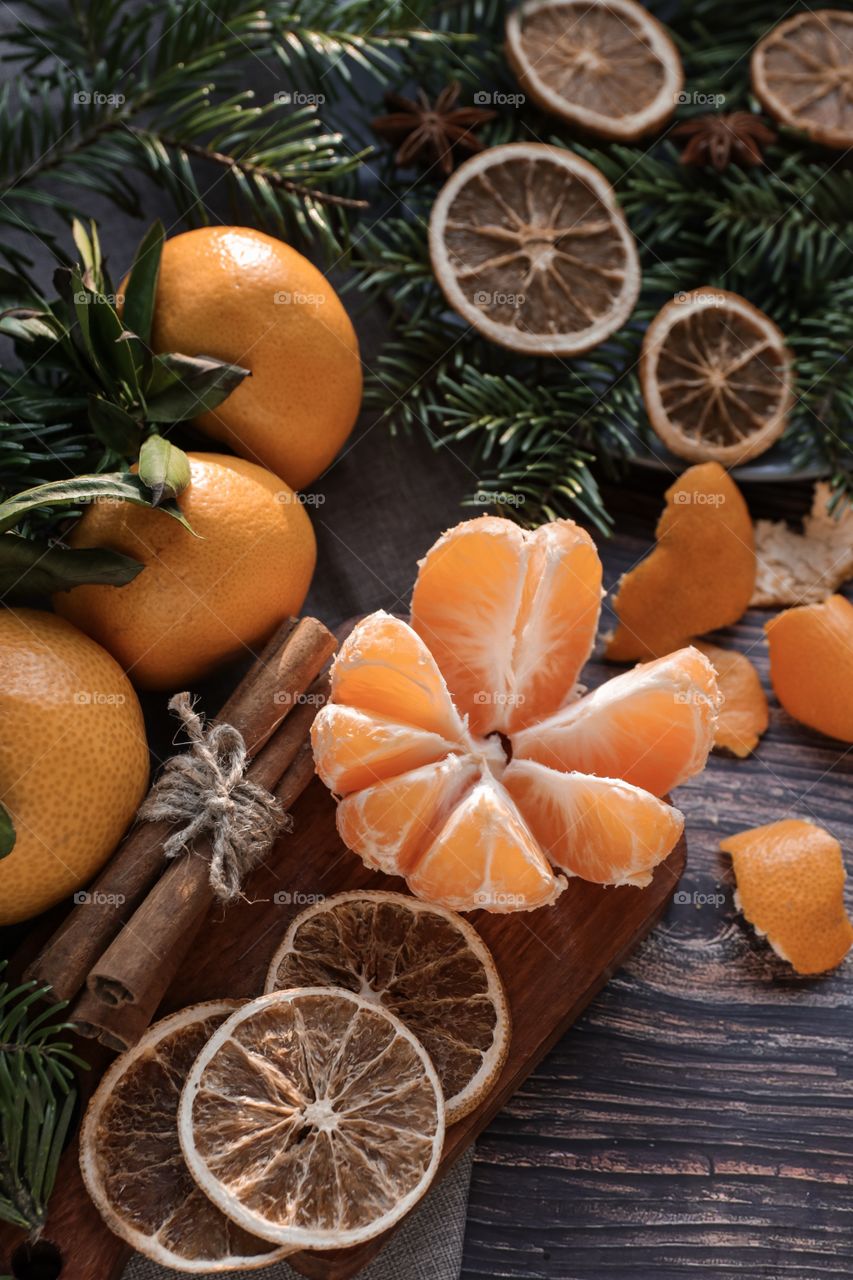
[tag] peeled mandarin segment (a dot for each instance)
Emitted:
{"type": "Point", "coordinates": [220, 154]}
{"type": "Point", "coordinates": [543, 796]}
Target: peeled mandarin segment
{"type": "Point", "coordinates": [390, 823]}
{"type": "Point", "coordinates": [698, 578]}
{"type": "Point", "coordinates": [811, 665]}
{"type": "Point", "coordinates": [790, 887]}
{"type": "Point", "coordinates": [385, 668]}
{"type": "Point", "coordinates": [743, 716]}
{"type": "Point", "coordinates": [509, 615]}
{"type": "Point", "coordinates": [653, 726]}
{"type": "Point", "coordinates": [601, 829]}
{"type": "Point", "coordinates": [485, 858]}
{"type": "Point", "coordinates": [464, 607]}
{"type": "Point", "coordinates": [557, 620]}
{"type": "Point", "coordinates": [353, 749]}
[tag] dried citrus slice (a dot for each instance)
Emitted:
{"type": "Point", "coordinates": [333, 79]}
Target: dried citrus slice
{"type": "Point", "coordinates": [802, 73]}
{"type": "Point", "coordinates": [426, 964]}
{"type": "Point", "coordinates": [716, 376]}
{"type": "Point", "coordinates": [811, 664]}
{"type": "Point", "coordinates": [313, 1118]}
{"type": "Point", "coordinates": [790, 887]}
{"type": "Point", "coordinates": [605, 65]}
{"type": "Point", "coordinates": [700, 575]}
{"type": "Point", "coordinates": [743, 715]}
{"type": "Point", "coordinates": [530, 247]}
{"type": "Point", "coordinates": [131, 1159]}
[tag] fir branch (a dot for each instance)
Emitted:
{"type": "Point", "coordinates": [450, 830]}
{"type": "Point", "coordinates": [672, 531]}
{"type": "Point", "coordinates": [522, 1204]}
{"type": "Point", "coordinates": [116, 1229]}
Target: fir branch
{"type": "Point", "coordinates": [37, 1098]}
{"type": "Point", "coordinates": [91, 129]}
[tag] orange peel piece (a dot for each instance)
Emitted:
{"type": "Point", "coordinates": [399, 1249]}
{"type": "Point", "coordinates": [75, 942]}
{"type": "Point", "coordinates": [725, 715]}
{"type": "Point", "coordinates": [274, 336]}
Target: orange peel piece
{"type": "Point", "coordinates": [811, 665]}
{"type": "Point", "coordinates": [700, 575]}
{"type": "Point", "coordinates": [790, 887]}
{"type": "Point", "coordinates": [743, 714]}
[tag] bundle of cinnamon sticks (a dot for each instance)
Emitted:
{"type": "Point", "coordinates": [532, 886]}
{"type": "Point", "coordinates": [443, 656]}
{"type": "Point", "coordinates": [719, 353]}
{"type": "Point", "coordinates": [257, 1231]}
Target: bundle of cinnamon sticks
{"type": "Point", "coordinates": [119, 950]}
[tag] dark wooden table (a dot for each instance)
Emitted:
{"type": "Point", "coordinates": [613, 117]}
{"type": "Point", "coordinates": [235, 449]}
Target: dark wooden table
{"type": "Point", "coordinates": [698, 1121]}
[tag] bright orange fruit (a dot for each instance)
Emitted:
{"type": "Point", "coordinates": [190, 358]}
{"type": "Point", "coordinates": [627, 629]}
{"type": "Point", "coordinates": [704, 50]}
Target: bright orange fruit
{"type": "Point", "coordinates": [240, 295]}
{"type": "Point", "coordinates": [790, 887]}
{"type": "Point", "coordinates": [465, 757]}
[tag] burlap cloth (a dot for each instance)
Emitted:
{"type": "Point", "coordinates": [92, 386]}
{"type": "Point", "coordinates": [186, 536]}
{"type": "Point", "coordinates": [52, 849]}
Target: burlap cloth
{"type": "Point", "coordinates": [427, 1246]}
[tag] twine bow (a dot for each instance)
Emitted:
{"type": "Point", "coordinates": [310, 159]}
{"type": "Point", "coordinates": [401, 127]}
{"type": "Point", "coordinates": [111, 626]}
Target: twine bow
{"type": "Point", "coordinates": [206, 789]}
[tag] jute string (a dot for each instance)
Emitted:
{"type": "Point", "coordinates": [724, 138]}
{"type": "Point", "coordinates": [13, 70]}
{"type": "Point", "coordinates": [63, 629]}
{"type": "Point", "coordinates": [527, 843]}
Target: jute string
{"type": "Point", "coordinates": [206, 789]}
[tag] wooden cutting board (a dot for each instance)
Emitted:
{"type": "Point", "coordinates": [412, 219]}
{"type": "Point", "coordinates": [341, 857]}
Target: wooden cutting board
{"type": "Point", "coordinates": [552, 962]}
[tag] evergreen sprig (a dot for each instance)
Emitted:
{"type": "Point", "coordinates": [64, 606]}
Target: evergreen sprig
{"type": "Point", "coordinates": [37, 1098]}
{"type": "Point", "coordinates": [778, 234]}
{"type": "Point", "coordinates": [90, 113]}
{"type": "Point", "coordinates": [94, 382]}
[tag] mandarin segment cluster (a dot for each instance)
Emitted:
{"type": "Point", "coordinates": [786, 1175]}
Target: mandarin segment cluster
{"type": "Point", "coordinates": [462, 753]}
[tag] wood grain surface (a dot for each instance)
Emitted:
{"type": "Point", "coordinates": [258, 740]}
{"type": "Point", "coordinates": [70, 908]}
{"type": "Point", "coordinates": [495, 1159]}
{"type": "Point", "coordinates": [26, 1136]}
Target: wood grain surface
{"type": "Point", "coordinates": [697, 1122]}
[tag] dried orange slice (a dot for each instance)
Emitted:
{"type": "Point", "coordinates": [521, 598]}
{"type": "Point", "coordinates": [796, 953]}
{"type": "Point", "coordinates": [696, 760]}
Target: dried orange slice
{"type": "Point", "coordinates": [131, 1159]}
{"type": "Point", "coordinates": [427, 965]}
{"type": "Point", "coordinates": [532, 780]}
{"type": "Point", "coordinates": [313, 1117]}
{"type": "Point", "coordinates": [530, 247]}
{"type": "Point", "coordinates": [802, 72]}
{"type": "Point", "coordinates": [717, 377]}
{"type": "Point", "coordinates": [607, 66]}
{"type": "Point", "coordinates": [811, 665]}
{"type": "Point", "coordinates": [700, 575]}
{"type": "Point", "coordinates": [743, 715]}
{"type": "Point", "coordinates": [790, 887]}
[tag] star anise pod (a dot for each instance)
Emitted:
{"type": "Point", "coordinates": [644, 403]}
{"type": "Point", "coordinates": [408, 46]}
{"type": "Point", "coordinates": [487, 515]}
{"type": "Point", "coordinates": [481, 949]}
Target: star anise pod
{"type": "Point", "coordinates": [428, 133]}
{"type": "Point", "coordinates": [719, 139]}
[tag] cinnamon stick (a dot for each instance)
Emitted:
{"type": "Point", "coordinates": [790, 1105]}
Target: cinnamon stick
{"type": "Point", "coordinates": [257, 706]}
{"type": "Point", "coordinates": [137, 969]}
{"type": "Point", "coordinates": [117, 1029]}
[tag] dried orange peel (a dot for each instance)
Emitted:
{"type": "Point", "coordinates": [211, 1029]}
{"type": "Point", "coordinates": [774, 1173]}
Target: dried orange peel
{"type": "Point", "coordinates": [465, 758]}
{"type": "Point", "coordinates": [743, 715]}
{"type": "Point", "coordinates": [790, 887]}
{"type": "Point", "coordinates": [700, 575]}
{"type": "Point", "coordinates": [811, 665]}
{"type": "Point", "coordinates": [804, 568]}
